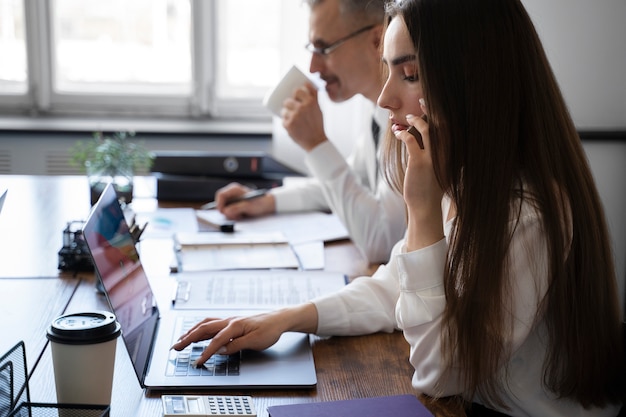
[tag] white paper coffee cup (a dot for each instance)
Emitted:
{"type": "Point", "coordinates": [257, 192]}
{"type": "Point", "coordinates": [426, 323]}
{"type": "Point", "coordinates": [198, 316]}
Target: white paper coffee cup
{"type": "Point", "coordinates": [292, 80]}
{"type": "Point", "coordinates": [83, 355]}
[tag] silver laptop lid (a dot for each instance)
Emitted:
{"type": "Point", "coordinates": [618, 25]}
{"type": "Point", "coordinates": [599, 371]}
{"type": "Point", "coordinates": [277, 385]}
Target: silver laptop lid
{"type": "Point", "coordinates": [126, 285]}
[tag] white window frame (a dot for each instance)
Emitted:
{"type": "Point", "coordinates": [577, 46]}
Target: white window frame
{"type": "Point", "coordinates": [202, 104]}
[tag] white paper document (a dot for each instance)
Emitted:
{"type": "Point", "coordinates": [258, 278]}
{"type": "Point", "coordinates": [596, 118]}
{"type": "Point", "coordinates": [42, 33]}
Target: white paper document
{"type": "Point", "coordinates": [240, 250]}
{"type": "Point", "coordinates": [257, 256]}
{"type": "Point", "coordinates": [297, 227]}
{"type": "Point", "coordinates": [185, 239]}
{"type": "Point", "coordinates": [297, 239]}
{"type": "Point", "coordinates": [250, 290]}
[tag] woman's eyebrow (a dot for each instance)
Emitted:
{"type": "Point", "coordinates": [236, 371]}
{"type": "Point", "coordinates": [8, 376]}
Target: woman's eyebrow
{"type": "Point", "coordinates": [401, 59]}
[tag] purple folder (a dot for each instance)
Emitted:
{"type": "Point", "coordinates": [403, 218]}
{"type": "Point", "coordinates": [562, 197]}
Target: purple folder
{"type": "Point", "coordinates": [396, 406]}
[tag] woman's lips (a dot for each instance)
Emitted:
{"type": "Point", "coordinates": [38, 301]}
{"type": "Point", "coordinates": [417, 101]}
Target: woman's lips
{"type": "Point", "coordinates": [396, 127]}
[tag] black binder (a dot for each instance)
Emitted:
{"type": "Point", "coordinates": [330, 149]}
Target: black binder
{"type": "Point", "coordinates": [202, 188]}
{"type": "Point", "coordinates": [196, 176]}
{"type": "Point", "coordinates": [220, 164]}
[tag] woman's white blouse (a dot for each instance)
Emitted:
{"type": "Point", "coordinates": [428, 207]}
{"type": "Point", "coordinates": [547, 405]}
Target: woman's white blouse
{"type": "Point", "coordinates": [407, 294]}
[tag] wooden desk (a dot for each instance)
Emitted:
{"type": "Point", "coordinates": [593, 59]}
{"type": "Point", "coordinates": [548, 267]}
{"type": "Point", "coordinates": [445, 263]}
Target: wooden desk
{"type": "Point", "coordinates": [33, 292]}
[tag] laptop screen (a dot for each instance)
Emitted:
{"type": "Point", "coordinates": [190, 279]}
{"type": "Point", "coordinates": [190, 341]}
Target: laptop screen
{"type": "Point", "coordinates": [2, 197]}
{"type": "Point", "coordinates": [117, 264]}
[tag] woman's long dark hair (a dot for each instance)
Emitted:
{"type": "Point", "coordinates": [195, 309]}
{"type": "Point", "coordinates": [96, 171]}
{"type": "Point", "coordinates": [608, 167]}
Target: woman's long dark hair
{"type": "Point", "coordinates": [498, 120]}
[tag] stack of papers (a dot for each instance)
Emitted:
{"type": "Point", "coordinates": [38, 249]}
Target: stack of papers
{"type": "Point", "coordinates": [242, 250]}
{"type": "Point", "coordinates": [297, 227]}
{"type": "Point", "coordinates": [291, 240]}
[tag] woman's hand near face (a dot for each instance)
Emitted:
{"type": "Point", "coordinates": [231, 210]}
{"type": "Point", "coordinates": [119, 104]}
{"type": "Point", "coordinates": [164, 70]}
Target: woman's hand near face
{"type": "Point", "coordinates": [256, 332]}
{"type": "Point", "coordinates": [422, 192]}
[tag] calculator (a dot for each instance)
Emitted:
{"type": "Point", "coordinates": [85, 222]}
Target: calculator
{"type": "Point", "coordinates": [208, 405]}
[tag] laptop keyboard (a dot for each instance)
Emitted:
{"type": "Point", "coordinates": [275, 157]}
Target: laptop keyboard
{"type": "Point", "coordinates": [217, 365]}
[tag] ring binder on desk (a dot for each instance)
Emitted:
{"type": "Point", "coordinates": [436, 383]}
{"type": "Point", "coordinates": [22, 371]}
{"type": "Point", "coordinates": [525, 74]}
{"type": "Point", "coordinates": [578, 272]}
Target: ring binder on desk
{"type": "Point", "coordinates": [15, 396]}
{"type": "Point", "coordinates": [196, 176]}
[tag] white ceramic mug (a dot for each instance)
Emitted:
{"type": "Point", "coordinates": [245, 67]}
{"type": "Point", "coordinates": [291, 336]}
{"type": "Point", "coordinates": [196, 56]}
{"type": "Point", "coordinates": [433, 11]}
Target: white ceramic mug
{"type": "Point", "coordinates": [293, 79]}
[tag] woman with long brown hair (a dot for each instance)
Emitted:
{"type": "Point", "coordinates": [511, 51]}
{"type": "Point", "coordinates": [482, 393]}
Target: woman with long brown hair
{"type": "Point", "coordinates": [504, 285]}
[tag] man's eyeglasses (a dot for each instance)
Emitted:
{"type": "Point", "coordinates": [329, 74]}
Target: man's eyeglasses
{"type": "Point", "coordinates": [323, 51]}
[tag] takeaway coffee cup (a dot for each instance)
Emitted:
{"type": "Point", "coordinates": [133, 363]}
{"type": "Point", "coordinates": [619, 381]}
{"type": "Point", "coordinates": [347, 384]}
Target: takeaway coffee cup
{"type": "Point", "coordinates": [83, 355]}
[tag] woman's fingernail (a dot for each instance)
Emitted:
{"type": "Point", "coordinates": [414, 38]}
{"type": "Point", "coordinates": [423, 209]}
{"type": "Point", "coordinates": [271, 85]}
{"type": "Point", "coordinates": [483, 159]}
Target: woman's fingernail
{"type": "Point", "coordinates": [409, 117]}
{"type": "Point", "coordinates": [422, 102]}
{"type": "Point", "coordinates": [221, 350]}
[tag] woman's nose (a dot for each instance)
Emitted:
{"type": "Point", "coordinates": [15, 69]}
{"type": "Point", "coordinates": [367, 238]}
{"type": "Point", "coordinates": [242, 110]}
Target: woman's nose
{"type": "Point", "coordinates": [386, 99]}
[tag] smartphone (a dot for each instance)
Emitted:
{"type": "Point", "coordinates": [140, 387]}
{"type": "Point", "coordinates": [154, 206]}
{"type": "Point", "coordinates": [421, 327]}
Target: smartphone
{"type": "Point", "coordinates": [418, 136]}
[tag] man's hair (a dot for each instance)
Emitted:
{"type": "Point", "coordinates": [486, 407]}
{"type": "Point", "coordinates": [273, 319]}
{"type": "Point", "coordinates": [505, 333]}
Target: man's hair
{"type": "Point", "coordinates": [369, 11]}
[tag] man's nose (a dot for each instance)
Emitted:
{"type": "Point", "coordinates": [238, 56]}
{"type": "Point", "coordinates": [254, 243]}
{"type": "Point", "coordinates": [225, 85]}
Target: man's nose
{"type": "Point", "coordinates": [318, 63]}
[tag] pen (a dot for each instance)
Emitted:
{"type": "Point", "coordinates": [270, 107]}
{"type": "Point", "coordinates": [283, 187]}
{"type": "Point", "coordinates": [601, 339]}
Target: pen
{"type": "Point", "coordinates": [247, 196]}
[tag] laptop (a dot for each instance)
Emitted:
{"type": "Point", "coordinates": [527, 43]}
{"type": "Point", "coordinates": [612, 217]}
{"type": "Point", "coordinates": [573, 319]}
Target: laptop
{"type": "Point", "coordinates": [2, 198]}
{"type": "Point", "coordinates": [148, 333]}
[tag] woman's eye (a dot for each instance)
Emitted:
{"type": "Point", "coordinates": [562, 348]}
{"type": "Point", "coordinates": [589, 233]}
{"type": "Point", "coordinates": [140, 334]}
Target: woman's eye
{"type": "Point", "coordinates": [411, 77]}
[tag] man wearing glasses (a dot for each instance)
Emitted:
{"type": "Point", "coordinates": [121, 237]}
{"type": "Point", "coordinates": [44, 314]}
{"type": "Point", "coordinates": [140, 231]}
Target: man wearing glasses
{"type": "Point", "coordinates": [345, 36]}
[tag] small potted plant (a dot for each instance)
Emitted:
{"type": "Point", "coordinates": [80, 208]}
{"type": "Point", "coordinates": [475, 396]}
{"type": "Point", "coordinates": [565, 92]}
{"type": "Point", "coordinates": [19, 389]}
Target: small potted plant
{"type": "Point", "coordinates": [111, 159]}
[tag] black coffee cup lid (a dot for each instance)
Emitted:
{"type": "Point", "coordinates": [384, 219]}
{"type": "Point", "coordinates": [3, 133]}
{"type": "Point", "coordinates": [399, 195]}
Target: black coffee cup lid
{"type": "Point", "coordinates": [84, 328]}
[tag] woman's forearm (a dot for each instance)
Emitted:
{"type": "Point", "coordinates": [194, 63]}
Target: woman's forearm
{"type": "Point", "coordinates": [301, 318]}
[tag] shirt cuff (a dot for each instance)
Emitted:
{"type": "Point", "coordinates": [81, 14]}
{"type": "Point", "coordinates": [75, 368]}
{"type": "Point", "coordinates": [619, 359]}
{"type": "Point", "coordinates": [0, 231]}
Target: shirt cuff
{"type": "Point", "coordinates": [287, 199]}
{"type": "Point", "coordinates": [331, 315]}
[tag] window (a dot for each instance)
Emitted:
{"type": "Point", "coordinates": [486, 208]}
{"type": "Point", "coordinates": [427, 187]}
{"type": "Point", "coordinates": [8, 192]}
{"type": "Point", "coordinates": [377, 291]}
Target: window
{"type": "Point", "coordinates": [13, 72]}
{"type": "Point", "coordinates": [155, 58]}
{"type": "Point", "coordinates": [115, 46]}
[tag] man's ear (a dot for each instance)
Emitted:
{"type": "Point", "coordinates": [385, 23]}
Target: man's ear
{"type": "Point", "coordinates": [377, 36]}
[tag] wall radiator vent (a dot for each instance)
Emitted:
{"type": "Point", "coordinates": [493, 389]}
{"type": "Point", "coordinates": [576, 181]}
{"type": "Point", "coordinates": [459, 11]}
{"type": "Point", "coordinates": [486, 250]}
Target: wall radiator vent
{"type": "Point", "coordinates": [58, 163]}
{"type": "Point", "coordinates": [5, 162]}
